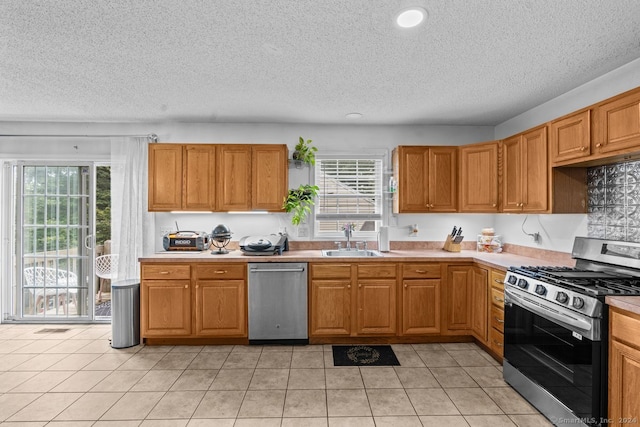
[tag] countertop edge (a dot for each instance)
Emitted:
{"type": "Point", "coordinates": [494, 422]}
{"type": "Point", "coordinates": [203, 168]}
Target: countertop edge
{"type": "Point", "coordinates": [630, 304]}
{"type": "Point", "coordinates": [499, 261]}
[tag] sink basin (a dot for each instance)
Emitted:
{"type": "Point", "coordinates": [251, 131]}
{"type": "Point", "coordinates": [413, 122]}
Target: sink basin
{"type": "Point", "coordinates": [351, 253]}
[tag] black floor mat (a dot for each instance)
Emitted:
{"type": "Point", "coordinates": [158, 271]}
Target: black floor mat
{"type": "Point", "coordinates": [364, 355]}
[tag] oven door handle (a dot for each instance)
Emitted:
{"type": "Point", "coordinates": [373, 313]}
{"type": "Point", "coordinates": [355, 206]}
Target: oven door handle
{"type": "Point", "coordinates": [543, 311]}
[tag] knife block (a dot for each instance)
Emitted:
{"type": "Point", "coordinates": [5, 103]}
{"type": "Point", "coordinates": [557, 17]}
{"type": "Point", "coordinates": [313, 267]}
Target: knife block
{"type": "Point", "coordinates": [449, 246]}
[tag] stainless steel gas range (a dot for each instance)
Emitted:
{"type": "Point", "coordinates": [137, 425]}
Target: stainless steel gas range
{"type": "Point", "coordinates": [556, 329]}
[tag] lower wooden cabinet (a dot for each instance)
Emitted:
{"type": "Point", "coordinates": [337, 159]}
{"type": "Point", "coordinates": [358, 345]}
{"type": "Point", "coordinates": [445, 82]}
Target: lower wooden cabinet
{"type": "Point", "coordinates": [457, 299]}
{"type": "Point", "coordinates": [193, 300]}
{"type": "Point", "coordinates": [220, 308]}
{"type": "Point", "coordinates": [353, 300]}
{"type": "Point", "coordinates": [165, 300]}
{"type": "Point", "coordinates": [496, 311]}
{"type": "Point", "coordinates": [420, 306]}
{"type": "Point", "coordinates": [377, 307]}
{"type": "Point", "coordinates": [330, 307]}
{"type": "Point", "coordinates": [479, 294]}
{"type": "Point", "coordinates": [624, 368]}
{"type": "Point", "coordinates": [421, 298]}
{"type": "Point", "coordinates": [165, 308]}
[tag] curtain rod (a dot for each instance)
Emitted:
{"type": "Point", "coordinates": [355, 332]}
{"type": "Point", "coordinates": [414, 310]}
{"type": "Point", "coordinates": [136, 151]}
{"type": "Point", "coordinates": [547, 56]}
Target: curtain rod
{"type": "Point", "coordinates": [152, 136]}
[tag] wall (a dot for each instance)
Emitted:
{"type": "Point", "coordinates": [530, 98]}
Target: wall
{"type": "Point", "coordinates": [328, 139]}
{"type": "Point", "coordinates": [558, 231]}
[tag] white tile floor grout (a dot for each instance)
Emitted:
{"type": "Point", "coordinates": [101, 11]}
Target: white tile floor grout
{"type": "Point", "coordinates": [76, 379]}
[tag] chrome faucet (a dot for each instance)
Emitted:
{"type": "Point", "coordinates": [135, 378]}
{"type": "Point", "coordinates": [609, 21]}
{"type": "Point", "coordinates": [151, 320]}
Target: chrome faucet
{"type": "Point", "coordinates": [348, 228]}
{"type": "Point", "coordinates": [347, 234]}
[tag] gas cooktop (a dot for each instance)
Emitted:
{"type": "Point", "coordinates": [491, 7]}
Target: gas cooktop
{"type": "Point", "coordinates": [584, 281]}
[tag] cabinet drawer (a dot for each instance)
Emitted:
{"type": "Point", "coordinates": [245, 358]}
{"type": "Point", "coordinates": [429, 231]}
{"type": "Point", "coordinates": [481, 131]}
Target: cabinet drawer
{"type": "Point", "coordinates": [420, 271]}
{"type": "Point", "coordinates": [497, 279]}
{"type": "Point", "coordinates": [625, 327]}
{"type": "Point", "coordinates": [497, 318]}
{"type": "Point", "coordinates": [331, 271]}
{"type": "Point", "coordinates": [497, 298]}
{"type": "Point", "coordinates": [496, 341]}
{"type": "Point", "coordinates": [166, 271]}
{"type": "Point", "coordinates": [221, 271]}
{"type": "Point", "coordinates": [376, 271]}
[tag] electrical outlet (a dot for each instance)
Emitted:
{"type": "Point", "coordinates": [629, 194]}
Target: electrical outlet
{"type": "Point", "coordinates": [303, 232]}
{"type": "Point", "coordinates": [413, 230]}
{"type": "Point", "coordinates": [165, 230]}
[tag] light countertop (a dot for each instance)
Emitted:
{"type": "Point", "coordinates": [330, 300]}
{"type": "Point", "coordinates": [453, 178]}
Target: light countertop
{"type": "Point", "coordinates": [500, 260]}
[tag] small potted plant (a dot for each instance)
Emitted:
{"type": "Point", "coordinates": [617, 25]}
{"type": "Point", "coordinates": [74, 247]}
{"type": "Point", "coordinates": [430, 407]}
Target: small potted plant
{"type": "Point", "coordinates": [299, 201]}
{"type": "Point", "coordinates": [304, 152]}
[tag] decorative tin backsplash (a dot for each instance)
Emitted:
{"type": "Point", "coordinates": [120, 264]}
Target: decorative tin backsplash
{"type": "Point", "coordinates": [614, 201]}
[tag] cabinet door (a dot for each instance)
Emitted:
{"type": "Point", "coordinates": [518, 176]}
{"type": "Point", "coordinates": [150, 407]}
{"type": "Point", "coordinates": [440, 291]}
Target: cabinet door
{"type": "Point", "coordinates": [413, 179]}
{"type": "Point", "coordinates": [534, 174]}
{"type": "Point", "coordinates": [570, 137]}
{"type": "Point", "coordinates": [330, 307]}
{"type": "Point", "coordinates": [420, 307]}
{"type": "Point", "coordinates": [165, 177]}
{"type": "Point", "coordinates": [269, 176]}
{"type": "Point", "coordinates": [479, 178]}
{"type": "Point", "coordinates": [377, 311]}
{"type": "Point", "coordinates": [618, 124]}
{"type": "Point", "coordinates": [234, 177]}
{"type": "Point", "coordinates": [511, 171]}
{"type": "Point", "coordinates": [199, 177]}
{"type": "Point", "coordinates": [221, 308]}
{"type": "Point", "coordinates": [457, 298]}
{"type": "Point", "coordinates": [165, 308]}
{"type": "Point", "coordinates": [443, 179]}
{"type": "Point", "coordinates": [624, 383]}
{"type": "Point", "coordinates": [478, 303]}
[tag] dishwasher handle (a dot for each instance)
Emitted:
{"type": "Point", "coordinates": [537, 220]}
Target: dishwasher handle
{"type": "Point", "coordinates": [276, 270]}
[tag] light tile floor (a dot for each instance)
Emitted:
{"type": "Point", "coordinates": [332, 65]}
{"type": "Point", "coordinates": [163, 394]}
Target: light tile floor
{"type": "Point", "coordinates": [75, 378]}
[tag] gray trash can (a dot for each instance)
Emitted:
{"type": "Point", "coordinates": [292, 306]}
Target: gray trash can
{"type": "Point", "coordinates": [125, 313]}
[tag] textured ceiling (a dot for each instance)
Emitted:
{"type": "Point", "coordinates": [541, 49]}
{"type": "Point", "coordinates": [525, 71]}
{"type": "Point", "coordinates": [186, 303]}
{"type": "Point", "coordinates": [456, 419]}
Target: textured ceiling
{"type": "Point", "coordinates": [303, 61]}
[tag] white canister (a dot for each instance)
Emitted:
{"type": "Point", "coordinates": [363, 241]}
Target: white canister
{"type": "Point", "coordinates": [384, 239]}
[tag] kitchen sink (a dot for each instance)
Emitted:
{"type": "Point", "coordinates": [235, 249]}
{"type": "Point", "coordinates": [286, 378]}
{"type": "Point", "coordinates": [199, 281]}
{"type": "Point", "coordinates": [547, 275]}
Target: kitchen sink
{"type": "Point", "coordinates": [349, 253]}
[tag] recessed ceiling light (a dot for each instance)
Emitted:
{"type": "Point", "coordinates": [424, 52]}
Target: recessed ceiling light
{"type": "Point", "coordinates": [353, 116]}
{"type": "Point", "coordinates": [412, 17]}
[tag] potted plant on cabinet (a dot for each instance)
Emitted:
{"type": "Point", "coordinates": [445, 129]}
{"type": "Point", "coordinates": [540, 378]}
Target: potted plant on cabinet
{"type": "Point", "coordinates": [299, 201]}
{"type": "Point", "coordinates": [304, 152]}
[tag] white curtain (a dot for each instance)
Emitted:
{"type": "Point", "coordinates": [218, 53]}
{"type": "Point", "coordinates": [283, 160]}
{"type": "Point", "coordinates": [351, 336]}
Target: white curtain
{"type": "Point", "coordinates": [131, 224]}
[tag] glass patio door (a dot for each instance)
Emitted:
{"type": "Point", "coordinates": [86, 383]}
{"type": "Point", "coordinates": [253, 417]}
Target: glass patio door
{"type": "Point", "coordinates": [55, 219]}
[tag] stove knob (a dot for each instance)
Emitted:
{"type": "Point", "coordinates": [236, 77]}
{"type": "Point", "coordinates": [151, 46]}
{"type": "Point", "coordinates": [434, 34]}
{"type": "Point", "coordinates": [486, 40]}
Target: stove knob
{"type": "Point", "coordinates": [512, 280]}
{"type": "Point", "coordinates": [562, 297]}
{"type": "Point", "coordinates": [540, 290]}
{"type": "Point", "coordinates": [578, 302]}
{"type": "Point", "coordinates": [523, 283]}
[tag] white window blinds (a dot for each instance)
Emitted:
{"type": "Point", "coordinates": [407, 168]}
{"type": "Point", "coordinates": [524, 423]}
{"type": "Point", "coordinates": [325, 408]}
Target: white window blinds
{"type": "Point", "coordinates": [350, 190]}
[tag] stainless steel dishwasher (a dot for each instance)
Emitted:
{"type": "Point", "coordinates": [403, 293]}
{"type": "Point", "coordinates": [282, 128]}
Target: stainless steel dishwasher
{"type": "Point", "coordinates": [278, 303]}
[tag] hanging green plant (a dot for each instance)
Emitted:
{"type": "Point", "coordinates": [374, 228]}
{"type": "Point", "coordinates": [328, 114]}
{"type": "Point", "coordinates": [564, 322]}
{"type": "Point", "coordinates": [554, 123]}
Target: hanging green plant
{"type": "Point", "coordinates": [299, 201]}
{"type": "Point", "coordinates": [305, 152]}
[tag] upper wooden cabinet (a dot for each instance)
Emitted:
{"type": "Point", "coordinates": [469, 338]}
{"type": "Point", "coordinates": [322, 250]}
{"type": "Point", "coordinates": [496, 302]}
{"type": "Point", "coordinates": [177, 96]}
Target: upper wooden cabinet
{"type": "Point", "coordinates": [570, 137]}
{"type": "Point", "coordinates": [165, 177]}
{"type": "Point", "coordinates": [199, 184]}
{"type": "Point", "coordinates": [234, 177]}
{"type": "Point", "coordinates": [221, 177]}
{"type": "Point", "coordinates": [525, 172]}
{"type": "Point", "coordinates": [479, 177]}
{"type": "Point", "coordinates": [617, 124]}
{"type": "Point", "coordinates": [427, 179]}
{"type": "Point", "coordinates": [269, 171]}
